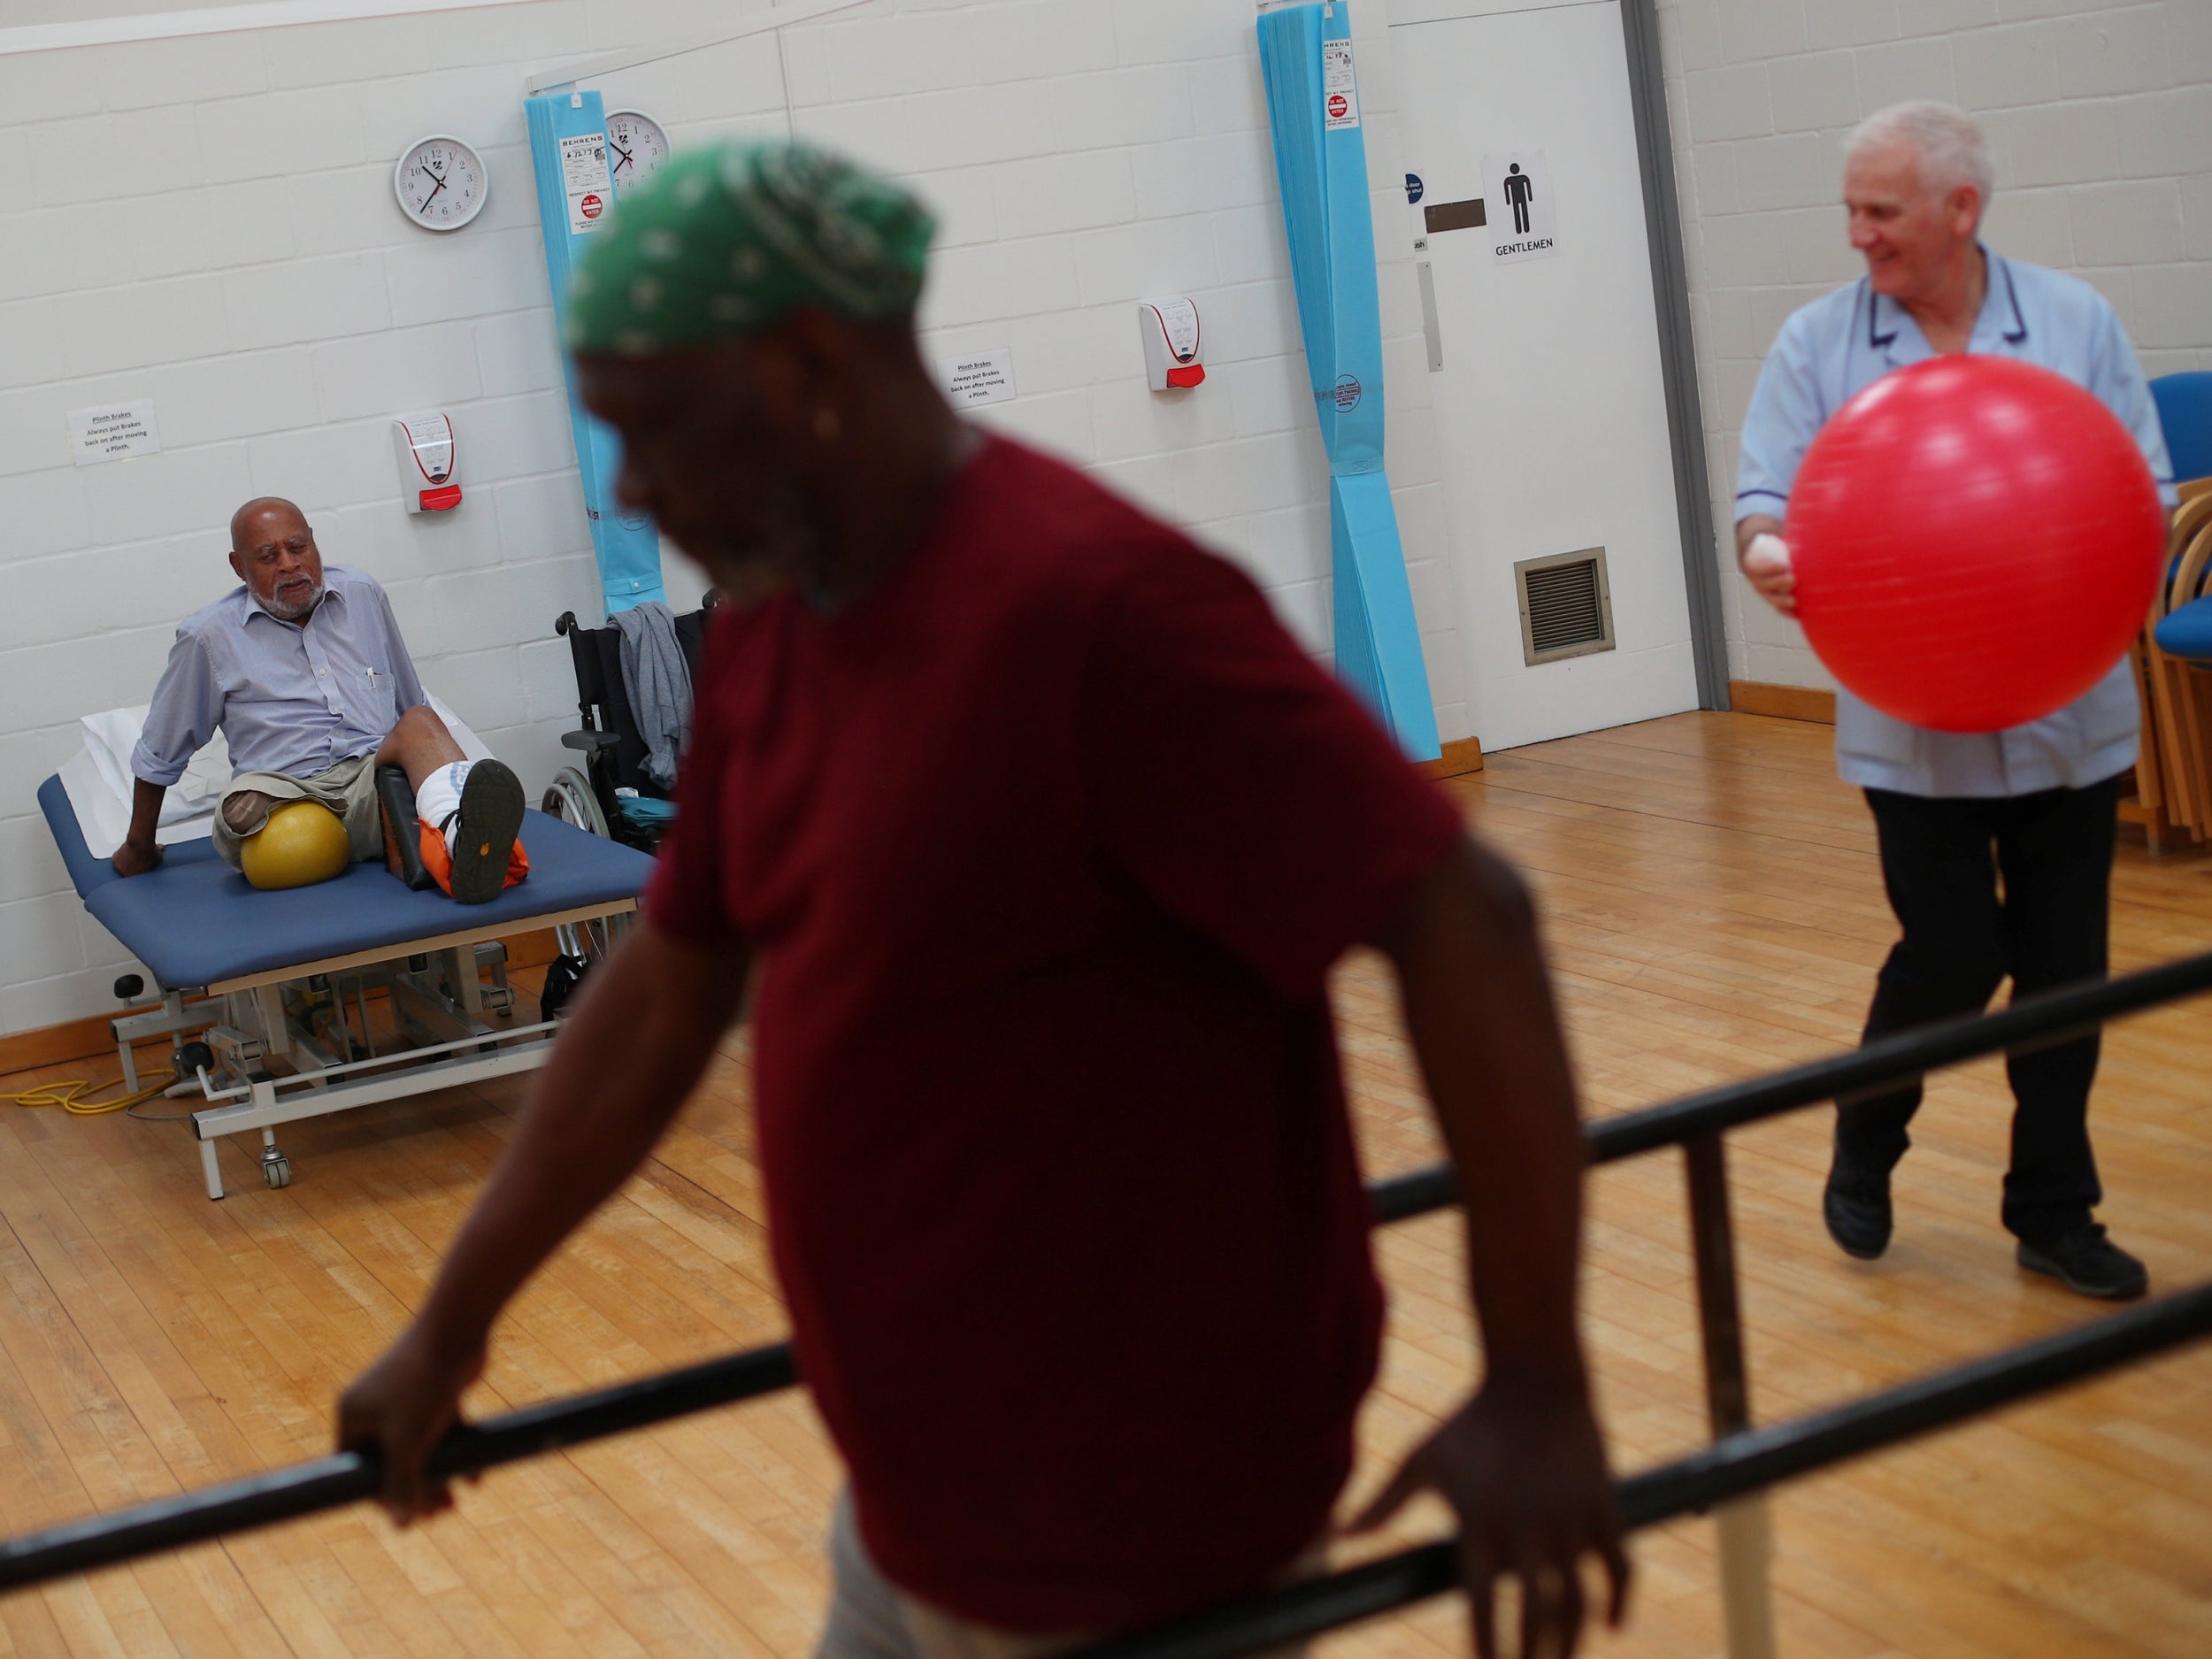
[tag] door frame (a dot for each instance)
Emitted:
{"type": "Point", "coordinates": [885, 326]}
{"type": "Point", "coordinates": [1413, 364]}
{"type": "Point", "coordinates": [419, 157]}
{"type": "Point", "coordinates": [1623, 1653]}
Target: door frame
{"type": "Point", "coordinates": [1678, 352]}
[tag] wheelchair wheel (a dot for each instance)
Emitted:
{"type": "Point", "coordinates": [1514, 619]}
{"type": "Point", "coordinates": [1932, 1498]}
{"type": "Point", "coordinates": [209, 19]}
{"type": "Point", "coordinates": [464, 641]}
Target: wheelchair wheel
{"type": "Point", "coordinates": [571, 801]}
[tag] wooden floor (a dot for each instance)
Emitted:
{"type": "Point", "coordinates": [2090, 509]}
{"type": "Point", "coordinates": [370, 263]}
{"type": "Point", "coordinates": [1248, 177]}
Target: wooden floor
{"type": "Point", "coordinates": [1713, 911]}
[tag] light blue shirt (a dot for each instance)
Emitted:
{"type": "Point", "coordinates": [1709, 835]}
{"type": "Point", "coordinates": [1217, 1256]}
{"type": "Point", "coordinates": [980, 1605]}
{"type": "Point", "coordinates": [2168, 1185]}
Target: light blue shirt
{"type": "Point", "coordinates": [291, 698]}
{"type": "Point", "coordinates": [1829, 351]}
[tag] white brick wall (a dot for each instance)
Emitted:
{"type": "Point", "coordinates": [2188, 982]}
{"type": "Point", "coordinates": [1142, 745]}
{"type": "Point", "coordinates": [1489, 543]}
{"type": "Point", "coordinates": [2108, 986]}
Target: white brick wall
{"type": "Point", "coordinates": [209, 223]}
{"type": "Point", "coordinates": [2100, 114]}
{"type": "Point", "coordinates": [1089, 155]}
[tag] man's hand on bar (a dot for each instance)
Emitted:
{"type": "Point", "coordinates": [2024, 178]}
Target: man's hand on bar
{"type": "Point", "coordinates": [1523, 1462]}
{"type": "Point", "coordinates": [1524, 1466]}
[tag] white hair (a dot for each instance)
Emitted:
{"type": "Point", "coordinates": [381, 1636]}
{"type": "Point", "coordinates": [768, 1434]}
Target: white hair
{"type": "Point", "coordinates": [1952, 148]}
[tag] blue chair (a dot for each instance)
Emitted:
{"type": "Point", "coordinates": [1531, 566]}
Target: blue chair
{"type": "Point", "coordinates": [2185, 409]}
{"type": "Point", "coordinates": [2178, 719]}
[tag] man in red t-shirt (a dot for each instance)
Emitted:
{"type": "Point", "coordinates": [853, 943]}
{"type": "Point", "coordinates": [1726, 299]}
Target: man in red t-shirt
{"type": "Point", "coordinates": [1036, 837]}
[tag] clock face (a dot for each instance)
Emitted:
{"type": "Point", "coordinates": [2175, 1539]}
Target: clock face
{"type": "Point", "coordinates": [638, 144]}
{"type": "Point", "coordinates": [440, 183]}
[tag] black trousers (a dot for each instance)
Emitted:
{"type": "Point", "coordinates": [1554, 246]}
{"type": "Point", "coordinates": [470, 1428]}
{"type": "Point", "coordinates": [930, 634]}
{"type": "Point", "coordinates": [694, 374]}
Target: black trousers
{"type": "Point", "coordinates": [1942, 861]}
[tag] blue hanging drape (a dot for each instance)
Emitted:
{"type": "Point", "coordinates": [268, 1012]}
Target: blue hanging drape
{"type": "Point", "coordinates": [626, 544]}
{"type": "Point", "coordinates": [1321, 161]}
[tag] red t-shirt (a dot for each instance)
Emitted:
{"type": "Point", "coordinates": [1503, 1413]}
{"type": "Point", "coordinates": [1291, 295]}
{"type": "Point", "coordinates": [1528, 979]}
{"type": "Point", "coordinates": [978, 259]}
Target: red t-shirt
{"type": "Point", "coordinates": [1046, 847]}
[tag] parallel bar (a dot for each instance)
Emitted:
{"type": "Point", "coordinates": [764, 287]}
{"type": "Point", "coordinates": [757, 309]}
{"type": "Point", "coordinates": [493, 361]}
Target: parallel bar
{"type": "Point", "coordinates": [2032, 1022]}
{"type": "Point", "coordinates": [1719, 1314]}
{"type": "Point", "coordinates": [326, 1483]}
{"type": "Point", "coordinates": [1746, 1599]}
{"type": "Point", "coordinates": [1732, 1468]}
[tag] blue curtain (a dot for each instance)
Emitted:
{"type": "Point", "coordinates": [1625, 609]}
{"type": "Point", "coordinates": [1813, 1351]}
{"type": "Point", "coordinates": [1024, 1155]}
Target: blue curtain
{"type": "Point", "coordinates": [1321, 161]}
{"type": "Point", "coordinates": [626, 543]}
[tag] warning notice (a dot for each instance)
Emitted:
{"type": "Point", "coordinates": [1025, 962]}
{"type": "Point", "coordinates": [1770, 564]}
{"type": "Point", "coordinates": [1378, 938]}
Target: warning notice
{"type": "Point", "coordinates": [114, 432]}
{"type": "Point", "coordinates": [981, 377]}
{"type": "Point", "coordinates": [585, 180]}
{"type": "Point", "coordinates": [1340, 88]}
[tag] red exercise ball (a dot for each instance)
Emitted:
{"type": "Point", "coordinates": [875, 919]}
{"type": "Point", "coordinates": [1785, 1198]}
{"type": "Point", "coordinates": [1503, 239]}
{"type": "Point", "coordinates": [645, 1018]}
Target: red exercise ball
{"type": "Point", "coordinates": [1976, 541]}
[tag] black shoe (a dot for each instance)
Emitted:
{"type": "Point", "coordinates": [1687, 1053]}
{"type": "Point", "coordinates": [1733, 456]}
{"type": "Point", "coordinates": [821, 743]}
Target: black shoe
{"type": "Point", "coordinates": [1855, 1206]}
{"type": "Point", "coordinates": [2089, 1264]}
{"type": "Point", "coordinates": [483, 837]}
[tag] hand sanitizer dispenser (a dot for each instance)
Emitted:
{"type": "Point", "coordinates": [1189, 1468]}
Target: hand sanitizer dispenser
{"type": "Point", "coordinates": [1173, 360]}
{"type": "Point", "coordinates": [429, 463]}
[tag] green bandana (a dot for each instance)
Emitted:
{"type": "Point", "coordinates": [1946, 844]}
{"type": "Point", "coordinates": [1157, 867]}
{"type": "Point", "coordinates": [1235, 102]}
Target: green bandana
{"type": "Point", "coordinates": [723, 241]}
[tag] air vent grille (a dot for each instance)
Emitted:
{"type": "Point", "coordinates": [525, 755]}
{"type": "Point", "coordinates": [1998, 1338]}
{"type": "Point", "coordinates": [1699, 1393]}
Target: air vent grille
{"type": "Point", "coordinates": [1566, 609]}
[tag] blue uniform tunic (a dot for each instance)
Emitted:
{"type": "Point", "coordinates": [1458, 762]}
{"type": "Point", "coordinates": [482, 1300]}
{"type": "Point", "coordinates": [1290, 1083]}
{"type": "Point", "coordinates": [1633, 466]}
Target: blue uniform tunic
{"type": "Point", "coordinates": [1829, 351]}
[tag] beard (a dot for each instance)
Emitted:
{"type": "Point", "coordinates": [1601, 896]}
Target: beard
{"type": "Point", "coordinates": [294, 610]}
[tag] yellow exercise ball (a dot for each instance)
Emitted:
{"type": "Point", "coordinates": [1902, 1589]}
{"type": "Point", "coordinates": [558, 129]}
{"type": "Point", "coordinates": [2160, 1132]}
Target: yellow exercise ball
{"type": "Point", "coordinates": [302, 843]}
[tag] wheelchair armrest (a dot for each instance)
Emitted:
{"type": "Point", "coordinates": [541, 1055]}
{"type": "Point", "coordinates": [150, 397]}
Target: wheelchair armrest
{"type": "Point", "coordinates": [590, 742]}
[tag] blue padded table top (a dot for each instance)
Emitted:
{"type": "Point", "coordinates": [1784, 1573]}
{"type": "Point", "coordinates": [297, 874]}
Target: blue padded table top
{"type": "Point", "coordinates": [196, 921]}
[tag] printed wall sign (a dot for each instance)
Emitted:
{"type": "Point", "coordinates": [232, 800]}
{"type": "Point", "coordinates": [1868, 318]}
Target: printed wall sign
{"type": "Point", "coordinates": [1522, 206]}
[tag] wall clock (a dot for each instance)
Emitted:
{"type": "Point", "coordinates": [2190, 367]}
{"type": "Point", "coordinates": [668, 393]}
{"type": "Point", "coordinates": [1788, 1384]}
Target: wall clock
{"type": "Point", "coordinates": [638, 145]}
{"type": "Point", "coordinates": [440, 183]}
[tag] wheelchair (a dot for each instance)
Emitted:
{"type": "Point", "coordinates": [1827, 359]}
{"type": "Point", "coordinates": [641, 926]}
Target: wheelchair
{"type": "Point", "coordinates": [608, 792]}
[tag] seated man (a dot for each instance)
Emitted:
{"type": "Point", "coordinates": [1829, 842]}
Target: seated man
{"type": "Point", "coordinates": [304, 671]}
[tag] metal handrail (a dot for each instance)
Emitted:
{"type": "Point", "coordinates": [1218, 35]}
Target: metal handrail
{"type": "Point", "coordinates": [1732, 1467]}
{"type": "Point", "coordinates": [2031, 1022]}
{"type": "Point", "coordinates": [1737, 1464]}
{"type": "Point", "coordinates": [345, 1478]}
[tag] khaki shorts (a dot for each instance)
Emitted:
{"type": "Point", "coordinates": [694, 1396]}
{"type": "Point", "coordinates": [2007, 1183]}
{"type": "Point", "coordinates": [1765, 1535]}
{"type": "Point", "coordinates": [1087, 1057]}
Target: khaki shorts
{"type": "Point", "coordinates": [872, 1618]}
{"type": "Point", "coordinates": [349, 789]}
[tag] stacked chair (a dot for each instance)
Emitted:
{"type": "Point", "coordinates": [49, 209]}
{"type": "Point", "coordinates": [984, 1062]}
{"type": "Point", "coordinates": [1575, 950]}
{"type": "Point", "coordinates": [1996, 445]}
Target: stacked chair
{"type": "Point", "coordinates": [2174, 775]}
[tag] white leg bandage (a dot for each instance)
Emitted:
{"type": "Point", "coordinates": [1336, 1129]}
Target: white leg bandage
{"type": "Point", "coordinates": [438, 802]}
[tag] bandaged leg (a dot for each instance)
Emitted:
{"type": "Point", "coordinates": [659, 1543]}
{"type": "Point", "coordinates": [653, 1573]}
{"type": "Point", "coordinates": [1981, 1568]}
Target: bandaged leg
{"type": "Point", "coordinates": [437, 802]}
{"type": "Point", "coordinates": [468, 812]}
{"type": "Point", "coordinates": [471, 813]}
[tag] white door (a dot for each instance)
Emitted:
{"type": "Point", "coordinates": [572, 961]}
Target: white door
{"type": "Point", "coordinates": [1551, 404]}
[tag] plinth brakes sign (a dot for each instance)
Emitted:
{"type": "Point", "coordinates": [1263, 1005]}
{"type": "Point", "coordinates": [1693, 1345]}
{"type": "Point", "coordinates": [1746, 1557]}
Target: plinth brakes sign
{"type": "Point", "coordinates": [1522, 206]}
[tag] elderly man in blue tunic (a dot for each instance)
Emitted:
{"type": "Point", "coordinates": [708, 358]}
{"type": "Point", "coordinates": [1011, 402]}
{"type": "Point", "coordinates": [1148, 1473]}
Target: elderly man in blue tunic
{"type": "Point", "coordinates": [1996, 848]}
{"type": "Point", "coordinates": [302, 670]}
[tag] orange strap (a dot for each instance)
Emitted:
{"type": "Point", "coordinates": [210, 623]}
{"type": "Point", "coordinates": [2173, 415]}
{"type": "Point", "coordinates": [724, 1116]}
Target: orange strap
{"type": "Point", "coordinates": [438, 860]}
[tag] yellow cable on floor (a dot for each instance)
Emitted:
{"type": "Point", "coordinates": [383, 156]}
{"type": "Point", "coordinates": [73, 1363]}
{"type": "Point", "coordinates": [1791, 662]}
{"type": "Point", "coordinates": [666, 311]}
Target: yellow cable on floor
{"type": "Point", "coordinates": [71, 1096]}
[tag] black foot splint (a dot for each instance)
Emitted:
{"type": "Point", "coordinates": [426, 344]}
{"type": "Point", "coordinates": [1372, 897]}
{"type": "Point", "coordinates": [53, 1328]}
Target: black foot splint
{"type": "Point", "coordinates": [402, 830]}
{"type": "Point", "coordinates": [483, 839]}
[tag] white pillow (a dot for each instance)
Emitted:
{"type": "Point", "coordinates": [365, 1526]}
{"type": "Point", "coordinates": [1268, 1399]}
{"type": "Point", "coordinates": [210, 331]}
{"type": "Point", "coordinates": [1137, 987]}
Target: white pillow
{"type": "Point", "coordinates": [98, 781]}
{"type": "Point", "coordinates": [112, 737]}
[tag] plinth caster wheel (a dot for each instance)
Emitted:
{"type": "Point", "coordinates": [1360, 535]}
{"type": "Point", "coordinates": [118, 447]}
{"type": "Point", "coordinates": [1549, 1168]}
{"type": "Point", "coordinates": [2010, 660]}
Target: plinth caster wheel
{"type": "Point", "coordinates": [276, 1169]}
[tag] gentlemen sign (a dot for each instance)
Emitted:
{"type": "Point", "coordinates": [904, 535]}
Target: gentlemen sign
{"type": "Point", "coordinates": [1522, 207]}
